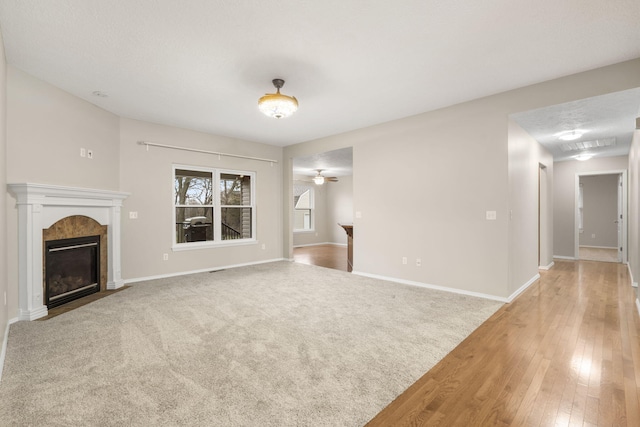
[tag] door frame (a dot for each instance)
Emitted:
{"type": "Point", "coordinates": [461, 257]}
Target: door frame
{"type": "Point", "coordinates": [544, 218]}
{"type": "Point", "coordinates": [625, 211]}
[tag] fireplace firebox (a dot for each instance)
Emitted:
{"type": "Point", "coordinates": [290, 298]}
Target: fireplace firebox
{"type": "Point", "coordinates": [72, 269]}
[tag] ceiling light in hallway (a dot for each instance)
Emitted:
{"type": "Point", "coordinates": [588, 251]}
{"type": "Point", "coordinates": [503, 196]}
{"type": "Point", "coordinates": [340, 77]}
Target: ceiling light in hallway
{"type": "Point", "coordinates": [571, 135]}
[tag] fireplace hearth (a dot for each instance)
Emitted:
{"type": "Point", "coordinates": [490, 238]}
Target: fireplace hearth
{"type": "Point", "coordinates": [72, 269]}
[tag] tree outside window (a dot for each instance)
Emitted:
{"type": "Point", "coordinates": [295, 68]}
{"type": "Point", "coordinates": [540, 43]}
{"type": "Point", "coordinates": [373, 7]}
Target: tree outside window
{"type": "Point", "coordinates": [201, 214]}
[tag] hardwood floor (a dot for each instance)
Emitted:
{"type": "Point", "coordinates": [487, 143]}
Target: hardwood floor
{"type": "Point", "coordinates": [565, 352]}
{"type": "Point", "coordinates": [330, 256]}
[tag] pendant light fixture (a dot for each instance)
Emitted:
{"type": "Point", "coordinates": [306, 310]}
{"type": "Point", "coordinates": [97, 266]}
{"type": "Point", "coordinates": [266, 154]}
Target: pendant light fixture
{"type": "Point", "coordinates": [276, 104]}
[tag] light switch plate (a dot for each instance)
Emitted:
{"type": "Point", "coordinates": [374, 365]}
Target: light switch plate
{"type": "Point", "coordinates": [491, 215]}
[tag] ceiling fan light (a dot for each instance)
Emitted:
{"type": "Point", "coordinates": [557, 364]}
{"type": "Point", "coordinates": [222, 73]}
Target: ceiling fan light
{"type": "Point", "coordinates": [277, 105]}
{"type": "Point", "coordinates": [319, 180]}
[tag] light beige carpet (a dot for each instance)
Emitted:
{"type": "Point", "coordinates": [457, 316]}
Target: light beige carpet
{"type": "Point", "coordinates": [598, 254]}
{"type": "Point", "coordinates": [280, 344]}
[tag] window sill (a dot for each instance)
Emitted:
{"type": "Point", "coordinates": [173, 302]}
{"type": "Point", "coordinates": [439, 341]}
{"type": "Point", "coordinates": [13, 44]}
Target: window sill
{"type": "Point", "coordinates": [304, 231]}
{"type": "Point", "coordinates": [211, 245]}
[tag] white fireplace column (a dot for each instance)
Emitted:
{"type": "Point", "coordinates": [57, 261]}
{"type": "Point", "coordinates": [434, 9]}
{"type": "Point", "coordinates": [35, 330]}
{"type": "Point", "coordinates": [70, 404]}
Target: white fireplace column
{"type": "Point", "coordinates": [40, 206]}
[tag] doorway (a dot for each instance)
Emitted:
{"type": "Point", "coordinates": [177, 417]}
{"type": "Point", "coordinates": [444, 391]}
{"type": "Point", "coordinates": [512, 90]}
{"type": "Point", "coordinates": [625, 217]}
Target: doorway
{"type": "Point", "coordinates": [319, 206]}
{"type": "Point", "coordinates": [601, 204]}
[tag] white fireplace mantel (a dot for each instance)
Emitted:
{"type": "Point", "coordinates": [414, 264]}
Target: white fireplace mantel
{"type": "Point", "coordinates": [39, 207]}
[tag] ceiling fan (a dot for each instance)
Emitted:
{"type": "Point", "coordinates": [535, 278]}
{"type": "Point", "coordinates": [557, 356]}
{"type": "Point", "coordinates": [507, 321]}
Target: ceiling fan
{"type": "Point", "coordinates": [320, 179]}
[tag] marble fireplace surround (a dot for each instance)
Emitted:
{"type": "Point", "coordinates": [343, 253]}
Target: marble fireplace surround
{"type": "Point", "coordinates": [39, 207]}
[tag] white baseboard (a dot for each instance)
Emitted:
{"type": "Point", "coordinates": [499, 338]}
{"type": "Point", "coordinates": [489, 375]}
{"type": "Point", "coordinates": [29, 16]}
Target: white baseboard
{"type": "Point", "coordinates": [320, 244]}
{"type": "Point", "coordinates": [523, 288]}
{"type": "Point", "coordinates": [633, 283]}
{"type": "Point", "coordinates": [203, 270]}
{"type": "Point", "coordinates": [428, 286]}
{"type": "Point", "coordinates": [3, 352]}
{"type": "Point", "coordinates": [598, 247]}
{"type": "Point", "coordinates": [546, 267]}
{"type": "Point", "coordinates": [565, 257]}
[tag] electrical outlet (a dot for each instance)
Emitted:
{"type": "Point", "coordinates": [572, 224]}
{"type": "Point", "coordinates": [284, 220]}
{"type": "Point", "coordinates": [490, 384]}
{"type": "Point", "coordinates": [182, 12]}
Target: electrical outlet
{"type": "Point", "coordinates": [264, 246]}
{"type": "Point", "coordinates": [90, 154]}
{"type": "Point", "coordinates": [83, 152]}
{"type": "Point", "coordinates": [404, 260]}
{"type": "Point", "coordinates": [133, 215]}
{"type": "Point", "coordinates": [165, 257]}
{"type": "Point", "coordinates": [491, 215]}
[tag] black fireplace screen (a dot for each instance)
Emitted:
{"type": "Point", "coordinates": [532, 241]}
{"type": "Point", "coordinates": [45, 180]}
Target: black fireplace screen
{"type": "Point", "coordinates": [72, 269]}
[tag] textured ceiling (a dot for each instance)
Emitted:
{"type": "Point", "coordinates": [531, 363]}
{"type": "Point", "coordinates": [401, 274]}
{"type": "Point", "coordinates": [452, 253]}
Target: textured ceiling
{"type": "Point", "coordinates": [607, 119]}
{"type": "Point", "coordinates": [203, 64]}
{"type": "Point", "coordinates": [332, 163]}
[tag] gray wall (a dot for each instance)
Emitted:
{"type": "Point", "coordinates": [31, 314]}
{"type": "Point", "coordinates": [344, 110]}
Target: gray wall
{"type": "Point", "coordinates": [634, 208]}
{"type": "Point", "coordinates": [147, 175]}
{"type": "Point", "coordinates": [47, 128]}
{"type": "Point", "coordinates": [456, 162]}
{"type": "Point", "coordinates": [4, 312]}
{"type": "Point", "coordinates": [339, 208]}
{"type": "Point", "coordinates": [600, 210]}
{"type": "Point", "coordinates": [525, 157]}
{"type": "Point", "coordinates": [564, 194]}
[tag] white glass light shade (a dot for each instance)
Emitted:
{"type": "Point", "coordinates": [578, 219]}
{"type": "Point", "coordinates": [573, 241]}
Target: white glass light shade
{"type": "Point", "coordinates": [583, 157]}
{"type": "Point", "coordinates": [277, 105]}
{"type": "Point", "coordinates": [571, 135]}
{"type": "Point", "coordinates": [319, 180]}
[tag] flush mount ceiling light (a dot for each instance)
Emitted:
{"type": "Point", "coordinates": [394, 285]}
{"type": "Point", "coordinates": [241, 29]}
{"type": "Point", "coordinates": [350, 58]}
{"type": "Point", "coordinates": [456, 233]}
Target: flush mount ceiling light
{"type": "Point", "coordinates": [571, 135]}
{"type": "Point", "coordinates": [583, 157]}
{"type": "Point", "coordinates": [276, 104]}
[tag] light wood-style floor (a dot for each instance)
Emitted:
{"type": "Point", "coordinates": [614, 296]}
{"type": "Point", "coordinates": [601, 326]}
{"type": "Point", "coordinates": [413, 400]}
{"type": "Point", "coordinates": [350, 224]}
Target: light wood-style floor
{"type": "Point", "coordinates": [566, 352]}
{"type": "Point", "coordinates": [330, 256]}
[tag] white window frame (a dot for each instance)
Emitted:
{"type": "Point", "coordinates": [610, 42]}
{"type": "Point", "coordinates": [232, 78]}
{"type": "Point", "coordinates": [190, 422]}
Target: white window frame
{"type": "Point", "coordinates": [217, 210]}
{"type": "Point", "coordinates": [312, 196]}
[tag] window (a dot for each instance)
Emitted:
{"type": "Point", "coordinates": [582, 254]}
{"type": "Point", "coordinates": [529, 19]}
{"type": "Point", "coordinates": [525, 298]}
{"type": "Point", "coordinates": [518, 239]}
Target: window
{"type": "Point", "coordinates": [303, 208]}
{"type": "Point", "coordinates": [235, 206]}
{"type": "Point", "coordinates": [205, 215]}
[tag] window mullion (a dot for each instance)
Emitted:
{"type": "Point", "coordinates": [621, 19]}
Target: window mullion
{"type": "Point", "coordinates": [217, 212]}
